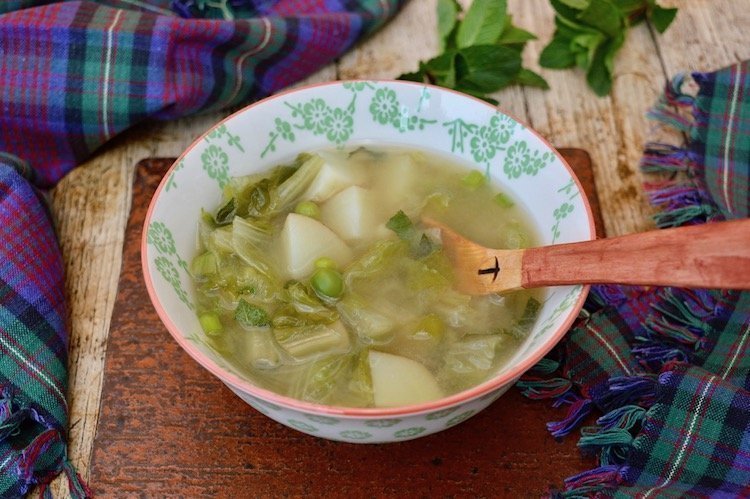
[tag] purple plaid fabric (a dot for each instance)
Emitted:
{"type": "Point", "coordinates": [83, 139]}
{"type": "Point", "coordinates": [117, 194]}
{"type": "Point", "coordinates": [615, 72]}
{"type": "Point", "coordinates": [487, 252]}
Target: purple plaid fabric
{"type": "Point", "coordinates": [76, 73]}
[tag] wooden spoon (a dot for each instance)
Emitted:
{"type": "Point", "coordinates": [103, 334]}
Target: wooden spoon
{"type": "Point", "coordinates": [712, 255]}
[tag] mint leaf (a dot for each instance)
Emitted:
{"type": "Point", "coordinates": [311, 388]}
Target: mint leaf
{"type": "Point", "coordinates": [531, 79]}
{"type": "Point", "coordinates": [662, 17]}
{"type": "Point", "coordinates": [480, 54]}
{"type": "Point", "coordinates": [564, 10]}
{"type": "Point", "coordinates": [401, 224]}
{"type": "Point", "coordinates": [513, 34]}
{"type": "Point", "coordinates": [441, 69]}
{"type": "Point", "coordinates": [487, 68]}
{"type": "Point", "coordinates": [557, 55]}
{"type": "Point", "coordinates": [604, 16]}
{"type": "Point", "coordinates": [478, 95]}
{"type": "Point", "coordinates": [577, 4]}
{"type": "Point", "coordinates": [629, 7]}
{"type": "Point", "coordinates": [447, 12]}
{"type": "Point", "coordinates": [599, 74]}
{"type": "Point", "coordinates": [415, 76]}
{"type": "Point", "coordinates": [482, 24]}
{"type": "Point", "coordinates": [250, 315]}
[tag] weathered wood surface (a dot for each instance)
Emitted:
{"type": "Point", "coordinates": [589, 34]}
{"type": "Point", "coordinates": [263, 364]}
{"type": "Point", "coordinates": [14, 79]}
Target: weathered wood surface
{"type": "Point", "coordinates": [92, 203]}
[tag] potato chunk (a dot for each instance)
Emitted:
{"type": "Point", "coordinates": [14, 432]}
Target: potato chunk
{"type": "Point", "coordinates": [398, 381]}
{"type": "Point", "coordinates": [303, 240]}
{"type": "Point", "coordinates": [353, 214]}
{"type": "Point", "coordinates": [334, 176]}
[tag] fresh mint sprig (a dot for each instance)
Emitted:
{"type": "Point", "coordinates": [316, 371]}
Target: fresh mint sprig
{"type": "Point", "coordinates": [589, 33]}
{"type": "Point", "coordinates": [480, 53]}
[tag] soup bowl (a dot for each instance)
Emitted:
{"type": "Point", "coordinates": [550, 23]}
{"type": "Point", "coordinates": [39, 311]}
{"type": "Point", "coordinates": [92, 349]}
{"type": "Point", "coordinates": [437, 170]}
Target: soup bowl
{"type": "Point", "coordinates": [344, 115]}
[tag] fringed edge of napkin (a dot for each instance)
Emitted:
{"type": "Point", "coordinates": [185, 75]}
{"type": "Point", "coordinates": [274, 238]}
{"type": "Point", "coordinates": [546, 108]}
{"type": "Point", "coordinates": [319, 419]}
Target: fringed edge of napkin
{"type": "Point", "coordinates": [675, 331]}
{"type": "Point", "coordinates": [50, 440]}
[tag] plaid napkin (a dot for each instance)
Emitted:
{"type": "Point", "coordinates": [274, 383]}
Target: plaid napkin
{"type": "Point", "coordinates": [74, 74]}
{"type": "Point", "coordinates": [669, 368]}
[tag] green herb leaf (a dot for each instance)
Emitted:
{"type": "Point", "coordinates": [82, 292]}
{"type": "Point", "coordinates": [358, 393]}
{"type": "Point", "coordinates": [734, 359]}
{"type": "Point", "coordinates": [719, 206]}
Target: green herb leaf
{"type": "Point", "coordinates": [564, 10]}
{"type": "Point", "coordinates": [662, 17]}
{"type": "Point", "coordinates": [478, 95]}
{"type": "Point", "coordinates": [402, 225]}
{"type": "Point", "coordinates": [441, 69]}
{"type": "Point", "coordinates": [415, 76]}
{"type": "Point", "coordinates": [629, 7]}
{"type": "Point", "coordinates": [531, 79]}
{"type": "Point", "coordinates": [590, 33]}
{"type": "Point", "coordinates": [514, 35]}
{"type": "Point", "coordinates": [250, 315]}
{"type": "Point", "coordinates": [479, 54]}
{"type": "Point", "coordinates": [557, 55]}
{"type": "Point", "coordinates": [447, 13]}
{"type": "Point", "coordinates": [487, 68]}
{"type": "Point", "coordinates": [577, 4]}
{"type": "Point", "coordinates": [482, 24]}
{"type": "Point", "coordinates": [599, 74]}
{"type": "Point", "coordinates": [604, 16]}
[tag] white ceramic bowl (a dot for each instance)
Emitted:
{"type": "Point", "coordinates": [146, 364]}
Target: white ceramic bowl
{"type": "Point", "coordinates": [343, 114]}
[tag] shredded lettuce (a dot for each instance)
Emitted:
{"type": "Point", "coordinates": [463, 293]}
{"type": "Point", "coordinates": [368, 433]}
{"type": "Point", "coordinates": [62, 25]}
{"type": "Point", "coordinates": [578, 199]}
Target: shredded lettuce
{"type": "Point", "coordinates": [290, 192]}
{"type": "Point", "coordinates": [305, 342]}
{"type": "Point", "coordinates": [473, 353]}
{"type": "Point", "coordinates": [259, 348]}
{"type": "Point", "coordinates": [370, 325]}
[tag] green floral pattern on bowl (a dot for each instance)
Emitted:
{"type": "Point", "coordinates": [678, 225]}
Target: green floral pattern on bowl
{"type": "Point", "coordinates": [344, 115]}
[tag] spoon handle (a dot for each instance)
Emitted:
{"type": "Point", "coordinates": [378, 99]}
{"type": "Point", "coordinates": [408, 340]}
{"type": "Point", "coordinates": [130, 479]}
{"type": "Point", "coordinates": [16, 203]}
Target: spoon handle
{"type": "Point", "coordinates": [711, 255]}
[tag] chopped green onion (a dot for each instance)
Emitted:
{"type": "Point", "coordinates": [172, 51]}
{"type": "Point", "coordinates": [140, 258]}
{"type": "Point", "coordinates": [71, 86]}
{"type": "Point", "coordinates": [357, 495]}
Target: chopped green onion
{"type": "Point", "coordinates": [474, 179]}
{"type": "Point", "coordinates": [250, 315]}
{"type": "Point", "coordinates": [327, 282]}
{"type": "Point", "coordinates": [325, 263]}
{"type": "Point", "coordinates": [503, 200]}
{"type": "Point", "coordinates": [210, 323]}
{"type": "Point", "coordinates": [308, 209]}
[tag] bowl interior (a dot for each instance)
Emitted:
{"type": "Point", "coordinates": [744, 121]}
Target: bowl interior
{"type": "Point", "coordinates": [345, 114]}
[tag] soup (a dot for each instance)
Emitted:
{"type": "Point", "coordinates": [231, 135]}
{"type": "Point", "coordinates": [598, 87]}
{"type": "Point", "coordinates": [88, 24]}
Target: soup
{"type": "Point", "coordinates": [318, 281]}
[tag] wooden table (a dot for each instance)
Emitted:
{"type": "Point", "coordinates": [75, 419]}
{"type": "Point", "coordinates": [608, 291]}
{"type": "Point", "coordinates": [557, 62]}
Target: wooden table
{"type": "Point", "coordinates": [91, 205]}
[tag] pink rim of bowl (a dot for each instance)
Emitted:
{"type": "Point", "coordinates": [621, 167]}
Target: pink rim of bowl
{"type": "Point", "coordinates": [409, 410]}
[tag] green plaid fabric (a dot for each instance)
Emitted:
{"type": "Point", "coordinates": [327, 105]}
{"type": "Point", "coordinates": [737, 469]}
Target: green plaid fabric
{"type": "Point", "coordinates": [720, 138]}
{"type": "Point", "coordinates": [668, 368]}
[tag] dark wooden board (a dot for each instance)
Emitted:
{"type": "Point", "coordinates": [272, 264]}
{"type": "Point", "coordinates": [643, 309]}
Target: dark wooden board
{"type": "Point", "coordinates": [167, 428]}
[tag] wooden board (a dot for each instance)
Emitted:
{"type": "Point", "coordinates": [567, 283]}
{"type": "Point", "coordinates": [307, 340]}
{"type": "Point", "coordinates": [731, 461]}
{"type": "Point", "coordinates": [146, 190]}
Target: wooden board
{"type": "Point", "coordinates": [169, 428]}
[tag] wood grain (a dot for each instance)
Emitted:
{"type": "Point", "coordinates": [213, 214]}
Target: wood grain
{"type": "Point", "coordinates": [712, 256]}
{"type": "Point", "coordinates": [706, 35]}
{"type": "Point", "coordinates": [167, 425]}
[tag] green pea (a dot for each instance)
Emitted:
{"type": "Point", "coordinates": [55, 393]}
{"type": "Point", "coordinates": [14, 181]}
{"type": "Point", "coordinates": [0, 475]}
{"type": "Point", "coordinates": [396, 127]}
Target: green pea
{"type": "Point", "coordinates": [308, 209]}
{"type": "Point", "coordinates": [325, 263]}
{"type": "Point", "coordinates": [210, 323]}
{"type": "Point", "coordinates": [327, 282]}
